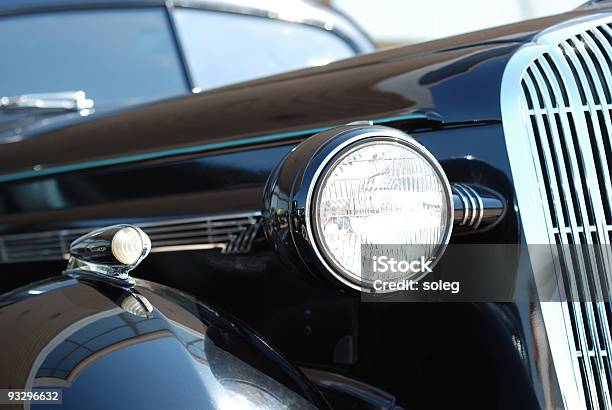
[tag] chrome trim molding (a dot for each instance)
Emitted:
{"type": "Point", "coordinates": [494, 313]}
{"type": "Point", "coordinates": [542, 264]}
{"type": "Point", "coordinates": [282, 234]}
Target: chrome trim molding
{"type": "Point", "coordinates": [556, 102]}
{"type": "Point", "coordinates": [170, 235]}
{"type": "Point", "coordinates": [476, 208]}
{"type": "Point", "coordinates": [243, 242]}
{"type": "Point", "coordinates": [308, 14]}
{"type": "Point", "coordinates": [289, 200]}
{"type": "Point", "coordinates": [352, 139]}
{"type": "Point", "coordinates": [58, 101]}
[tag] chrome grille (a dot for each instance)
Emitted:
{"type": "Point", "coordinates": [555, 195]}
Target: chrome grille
{"type": "Point", "coordinates": [202, 232]}
{"type": "Point", "coordinates": [565, 106]}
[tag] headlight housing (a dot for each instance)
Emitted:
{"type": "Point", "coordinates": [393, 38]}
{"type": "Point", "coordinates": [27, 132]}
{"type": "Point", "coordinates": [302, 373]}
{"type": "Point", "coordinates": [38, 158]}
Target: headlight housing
{"type": "Point", "coordinates": [354, 189]}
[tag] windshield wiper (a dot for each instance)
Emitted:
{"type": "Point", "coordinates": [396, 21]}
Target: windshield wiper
{"type": "Point", "coordinates": [60, 101]}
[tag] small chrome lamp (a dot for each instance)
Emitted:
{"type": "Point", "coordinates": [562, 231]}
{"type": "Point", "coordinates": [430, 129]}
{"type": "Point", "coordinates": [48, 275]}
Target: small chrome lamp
{"type": "Point", "coordinates": [109, 253]}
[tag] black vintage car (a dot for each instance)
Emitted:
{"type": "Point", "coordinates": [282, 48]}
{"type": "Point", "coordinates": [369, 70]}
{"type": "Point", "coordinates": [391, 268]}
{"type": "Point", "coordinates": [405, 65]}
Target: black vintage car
{"type": "Point", "coordinates": [486, 155]}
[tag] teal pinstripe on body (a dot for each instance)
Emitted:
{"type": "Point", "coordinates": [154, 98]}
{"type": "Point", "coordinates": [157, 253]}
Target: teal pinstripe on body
{"type": "Point", "coordinates": [184, 150]}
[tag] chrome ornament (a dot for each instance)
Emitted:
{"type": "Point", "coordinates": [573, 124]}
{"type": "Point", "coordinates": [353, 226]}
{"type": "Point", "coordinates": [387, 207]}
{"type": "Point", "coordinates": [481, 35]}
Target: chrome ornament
{"type": "Point", "coordinates": [109, 253]}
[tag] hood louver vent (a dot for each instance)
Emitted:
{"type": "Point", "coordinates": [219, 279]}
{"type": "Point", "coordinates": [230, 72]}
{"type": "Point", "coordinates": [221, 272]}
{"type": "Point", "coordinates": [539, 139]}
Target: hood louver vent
{"type": "Point", "coordinates": [205, 232]}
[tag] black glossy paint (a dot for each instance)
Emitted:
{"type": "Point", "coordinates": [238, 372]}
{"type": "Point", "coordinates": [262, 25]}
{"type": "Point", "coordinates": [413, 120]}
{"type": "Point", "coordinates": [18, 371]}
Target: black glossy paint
{"type": "Point", "coordinates": [88, 339]}
{"type": "Point", "coordinates": [306, 318]}
{"type": "Point", "coordinates": [188, 175]}
{"type": "Point", "coordinates": [428, 356]}
{"type": "Point", "coordinates": [458, 79]}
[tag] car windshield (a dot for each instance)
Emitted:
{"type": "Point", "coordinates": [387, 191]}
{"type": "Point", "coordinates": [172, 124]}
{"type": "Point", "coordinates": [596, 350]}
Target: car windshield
{"type": "Point", "coordinates": [223, 48]}
{"type": "Point", "coordinates": [128, 56]}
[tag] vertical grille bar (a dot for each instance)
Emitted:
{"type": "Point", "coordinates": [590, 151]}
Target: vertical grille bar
{"type": "Point", "coordinates": [564, 86]}
{"type": "Point", "coordinates": [585, 167]}
{"type": "Point", "coordinates": [597, 68]}
{"type": "Point", "coordinates": [557, 180]}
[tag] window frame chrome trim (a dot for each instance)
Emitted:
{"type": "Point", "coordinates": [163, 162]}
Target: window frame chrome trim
{"type": "Point", "coordinates": [335, 22]}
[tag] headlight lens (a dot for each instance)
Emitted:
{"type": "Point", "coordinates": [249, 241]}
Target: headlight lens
{"type": "Point", "coordinates": [348, 194]}
{"type": "Point", "coordinates": [380, 192]}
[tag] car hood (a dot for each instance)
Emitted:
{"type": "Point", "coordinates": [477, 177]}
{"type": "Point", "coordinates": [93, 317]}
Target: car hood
{"type": "Point", "coordinates": [153, 347]}
{"type": "Point", "coordinates": [455, 81]}
{"type": "Point", "coordinates": [16, 126]}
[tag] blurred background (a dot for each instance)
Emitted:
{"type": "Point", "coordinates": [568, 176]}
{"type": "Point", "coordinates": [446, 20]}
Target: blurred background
{"type": "Point", "coordinates": [393, 22]}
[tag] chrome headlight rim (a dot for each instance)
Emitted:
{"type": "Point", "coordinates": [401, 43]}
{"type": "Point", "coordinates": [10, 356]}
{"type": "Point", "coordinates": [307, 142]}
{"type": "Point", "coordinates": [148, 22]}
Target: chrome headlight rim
{"type": "Point", "coordinates": [329, 155]}
{"type": "Point", "coordinates": [288, 199]}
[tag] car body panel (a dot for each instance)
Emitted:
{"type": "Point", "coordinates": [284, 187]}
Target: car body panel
{"type": "Point", "coordinates": [87, 337]}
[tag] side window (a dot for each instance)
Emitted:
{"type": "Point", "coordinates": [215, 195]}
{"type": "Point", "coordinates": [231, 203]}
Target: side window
{"type": "Point", "coordinates": [223, 48]}
{"type": "Point", "coordinates": [117, 56]}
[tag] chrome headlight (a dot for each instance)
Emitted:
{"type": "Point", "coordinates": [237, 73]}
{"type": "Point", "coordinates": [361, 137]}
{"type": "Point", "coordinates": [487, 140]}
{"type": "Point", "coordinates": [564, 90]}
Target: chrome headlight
{"type": "Point", "coordinates": [352, 190]}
